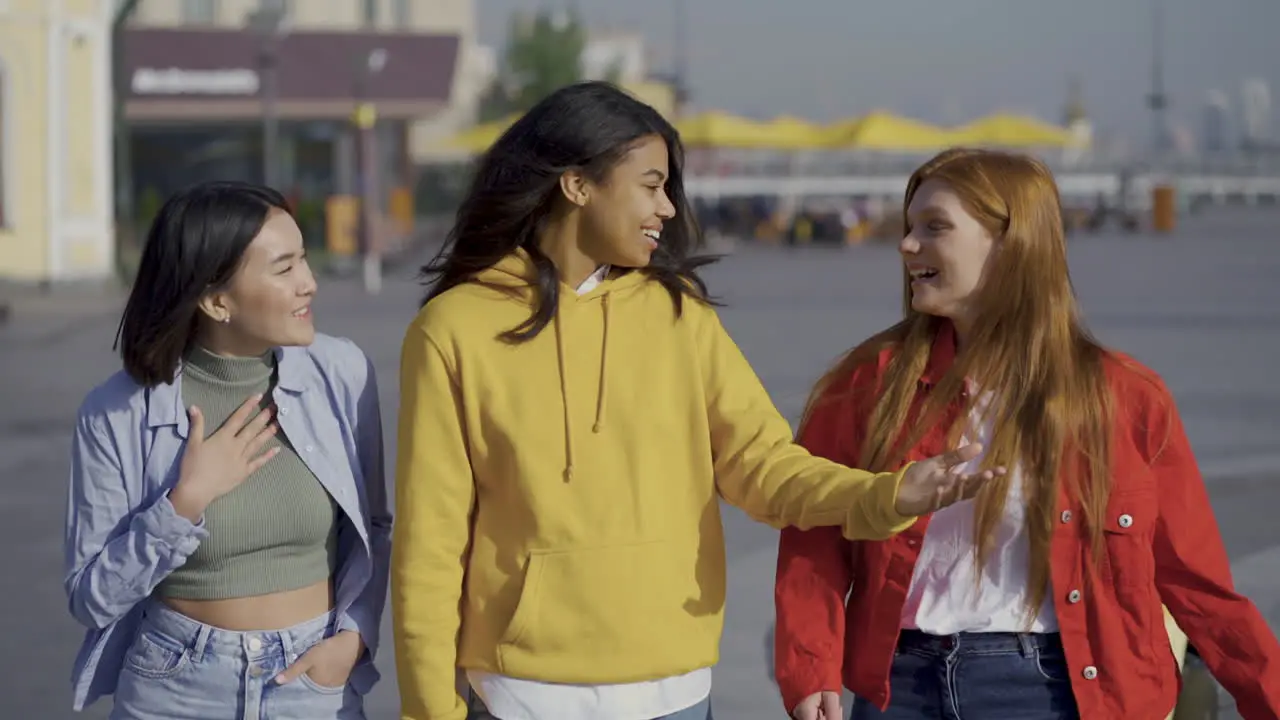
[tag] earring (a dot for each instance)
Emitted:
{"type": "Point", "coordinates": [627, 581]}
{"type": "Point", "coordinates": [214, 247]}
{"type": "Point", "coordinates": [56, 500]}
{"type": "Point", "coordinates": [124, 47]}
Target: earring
{"type": "Point", "coordinates": [582, 199]}
{"type": "Point", "coordinates": [225, 320]}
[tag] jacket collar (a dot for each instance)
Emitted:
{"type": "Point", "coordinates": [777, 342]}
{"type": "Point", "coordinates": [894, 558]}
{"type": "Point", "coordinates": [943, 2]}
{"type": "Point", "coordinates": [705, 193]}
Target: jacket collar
{"type": "Point", "coordinates": [942, 356]}
{"type": "Point", "coordinates": [294, 374]}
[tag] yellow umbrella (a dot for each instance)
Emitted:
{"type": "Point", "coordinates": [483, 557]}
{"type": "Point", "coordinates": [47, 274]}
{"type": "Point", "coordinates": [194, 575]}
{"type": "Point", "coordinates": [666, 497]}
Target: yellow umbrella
{"type": "Point", "coordinates": [1008, 130]}
{"type": "Point", "coordinates": [880, 130]}
{"type": "Point", "coordinates": [720, 129]}
{"type": "Point", "coordinates": [792, 133]}
{"type": "Point", "coordinates": [479, 138]}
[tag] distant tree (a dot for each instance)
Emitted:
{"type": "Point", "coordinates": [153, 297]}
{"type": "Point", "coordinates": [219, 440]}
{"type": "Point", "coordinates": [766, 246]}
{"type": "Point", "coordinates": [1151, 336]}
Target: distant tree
{"type": "Point", "coordinates": [543, 54]}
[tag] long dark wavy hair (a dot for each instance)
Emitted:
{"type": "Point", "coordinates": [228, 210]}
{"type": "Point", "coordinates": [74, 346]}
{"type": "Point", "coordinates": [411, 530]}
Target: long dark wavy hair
{"type": "Point", "coordinates": [590, 127]}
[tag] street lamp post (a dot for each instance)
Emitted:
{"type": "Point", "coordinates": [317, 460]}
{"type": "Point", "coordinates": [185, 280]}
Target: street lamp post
{"type": "Point", "coordinates": [681, 64]}
{"type": "Point", "coordinates": [270, 114]}
{"type": "Point", "coordinates": [268, 22]}
{"type": "Point", "coordinates": [1158, 100]}
{"type": "Point", "coordinates": [366, 121]}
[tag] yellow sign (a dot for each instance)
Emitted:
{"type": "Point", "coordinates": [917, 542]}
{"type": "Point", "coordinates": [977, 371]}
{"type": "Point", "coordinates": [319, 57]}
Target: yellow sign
{"type": "Point", "coordinates": [401, 207]}
{"type": "Point", "coordinates": [366, 116]}
{"type": "Point", "coordinates": [342, 217]}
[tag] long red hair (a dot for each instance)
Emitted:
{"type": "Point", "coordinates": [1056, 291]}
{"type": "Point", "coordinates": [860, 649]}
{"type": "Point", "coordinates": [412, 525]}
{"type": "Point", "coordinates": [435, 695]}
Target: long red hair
{"type": "Point", "coordinates": [1052, 409]}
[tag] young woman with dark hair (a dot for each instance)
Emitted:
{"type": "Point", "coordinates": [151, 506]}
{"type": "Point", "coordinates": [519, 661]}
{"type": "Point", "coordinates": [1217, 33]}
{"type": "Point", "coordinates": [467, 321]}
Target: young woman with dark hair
{"type": "Point", "coordinates": [227, 526]}
{"type": "Point", "coordinates": [571, 413]}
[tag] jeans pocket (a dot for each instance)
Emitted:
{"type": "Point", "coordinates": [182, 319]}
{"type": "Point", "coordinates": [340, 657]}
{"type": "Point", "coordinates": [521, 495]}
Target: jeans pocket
{"type": "Point", "coordinates": [314, 686]}
{"type": "Point", "coordinates": [156, 656]}
{"type": "Point", "coordinates": [1052, 665]}
{"type": "Point", "coordinates": [300, 646]}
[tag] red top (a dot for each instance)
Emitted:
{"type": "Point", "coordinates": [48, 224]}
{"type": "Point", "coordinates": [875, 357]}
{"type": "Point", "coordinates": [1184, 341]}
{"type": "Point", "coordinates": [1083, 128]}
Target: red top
{"type": "Point", "coordinates": [1162, 546]}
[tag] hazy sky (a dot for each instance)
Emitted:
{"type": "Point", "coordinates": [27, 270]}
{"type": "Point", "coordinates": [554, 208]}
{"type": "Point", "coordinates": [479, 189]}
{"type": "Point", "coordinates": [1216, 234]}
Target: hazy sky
{"type": "Point", "coordinates": [946, 60]}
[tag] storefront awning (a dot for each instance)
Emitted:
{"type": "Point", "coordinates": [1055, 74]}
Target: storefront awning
{"type": "Point", "coordinates": [184, 75]}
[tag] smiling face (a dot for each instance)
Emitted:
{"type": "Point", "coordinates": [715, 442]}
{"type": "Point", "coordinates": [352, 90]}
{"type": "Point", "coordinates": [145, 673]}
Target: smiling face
{"type": "Point", "coordinates": [946, 252]}
{"type": "Point", "coordinates": [267, 303]}
{"type": "Point", "coordinates": [622, 215]}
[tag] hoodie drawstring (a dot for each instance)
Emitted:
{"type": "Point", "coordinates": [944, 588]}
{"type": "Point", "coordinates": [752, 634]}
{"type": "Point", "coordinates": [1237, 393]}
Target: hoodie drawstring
{"type": "Point", "coordinates": [564, 397]}
{"type": "Point", "coordinates": [601, 394]}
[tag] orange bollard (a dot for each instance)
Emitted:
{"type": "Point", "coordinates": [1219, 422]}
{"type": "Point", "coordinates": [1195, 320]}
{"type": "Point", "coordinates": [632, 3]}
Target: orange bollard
{"type": "Point", "coordinates": [1164, 209]}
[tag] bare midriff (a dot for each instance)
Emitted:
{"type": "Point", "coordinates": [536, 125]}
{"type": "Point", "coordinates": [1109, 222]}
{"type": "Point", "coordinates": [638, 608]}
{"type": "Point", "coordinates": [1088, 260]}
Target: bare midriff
{"type": "Point", "coordinates": [274, 611]}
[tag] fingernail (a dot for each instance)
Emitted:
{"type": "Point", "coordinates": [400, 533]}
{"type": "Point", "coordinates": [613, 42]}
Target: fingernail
{"type": "Point", "coordinates": [280, 679]}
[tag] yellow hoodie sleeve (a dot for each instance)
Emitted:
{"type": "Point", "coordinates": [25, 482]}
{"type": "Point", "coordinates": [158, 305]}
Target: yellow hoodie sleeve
{"type": "Point", "coordinates": [434, 499]}
{"type": "Point", "coordinates": [761, 469]}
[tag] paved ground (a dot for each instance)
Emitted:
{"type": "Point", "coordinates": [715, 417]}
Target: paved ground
{"type": "Point", "coordinates": [1203, 308]}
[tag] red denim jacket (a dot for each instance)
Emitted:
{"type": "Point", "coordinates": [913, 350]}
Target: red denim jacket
{"type": "Point", "coordinates": [1162, 546]}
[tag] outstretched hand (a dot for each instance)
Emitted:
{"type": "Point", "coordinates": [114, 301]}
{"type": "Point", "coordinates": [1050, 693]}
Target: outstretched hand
{"type": "Point", "coordinates": [819, 706]}
{"type": "Point", "coordinates": [930, 485]}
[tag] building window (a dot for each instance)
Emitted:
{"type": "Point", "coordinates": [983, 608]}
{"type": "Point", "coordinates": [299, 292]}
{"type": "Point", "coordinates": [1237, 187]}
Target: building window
{"type": "Point", "coordinates": [370, 13]}
{"type": "Point", "coordinates": [403, 12]}
{"type": "Point", "coordinates": [199, 12]}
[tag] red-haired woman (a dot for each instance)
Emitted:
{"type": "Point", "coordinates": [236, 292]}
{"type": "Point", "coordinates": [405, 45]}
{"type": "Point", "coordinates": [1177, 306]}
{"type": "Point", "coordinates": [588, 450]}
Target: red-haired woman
{"type": "Point", "coordinates": [1041, 598]}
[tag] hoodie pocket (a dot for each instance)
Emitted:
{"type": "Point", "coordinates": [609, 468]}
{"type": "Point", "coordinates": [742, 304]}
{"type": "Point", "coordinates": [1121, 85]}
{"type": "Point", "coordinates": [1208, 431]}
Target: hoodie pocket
{"type": "Point", "coordinates": [611, 614]}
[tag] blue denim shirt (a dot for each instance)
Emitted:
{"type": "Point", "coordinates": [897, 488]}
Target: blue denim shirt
{"type": "Point", "coordinates": [123, 536]}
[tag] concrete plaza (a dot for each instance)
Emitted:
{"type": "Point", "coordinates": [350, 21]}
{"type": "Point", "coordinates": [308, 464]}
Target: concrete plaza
{"type": "Point", "coordinates": [1201, 306]}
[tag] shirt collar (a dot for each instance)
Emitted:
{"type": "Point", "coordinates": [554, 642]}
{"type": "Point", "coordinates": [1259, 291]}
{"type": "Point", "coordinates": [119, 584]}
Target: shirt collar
{"type": "Point", "coordinates": [164, 402]}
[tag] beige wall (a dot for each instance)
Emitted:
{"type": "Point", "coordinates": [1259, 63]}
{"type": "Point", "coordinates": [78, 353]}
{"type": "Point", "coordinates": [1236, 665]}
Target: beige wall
{"type": "Point", "coordinates": [425, 16]}
{"type": "Point", "coordinates": [471, 76]}
{"type": "Point", "coordinates": [55, 143]}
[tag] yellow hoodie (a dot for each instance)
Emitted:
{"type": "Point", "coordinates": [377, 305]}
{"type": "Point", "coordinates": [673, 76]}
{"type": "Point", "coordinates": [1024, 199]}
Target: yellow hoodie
{"type": "Point", "coordinates": [557, 500]}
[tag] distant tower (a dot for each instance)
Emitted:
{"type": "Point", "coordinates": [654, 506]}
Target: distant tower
{"type": "Point", "coordinates": [1217, 111]}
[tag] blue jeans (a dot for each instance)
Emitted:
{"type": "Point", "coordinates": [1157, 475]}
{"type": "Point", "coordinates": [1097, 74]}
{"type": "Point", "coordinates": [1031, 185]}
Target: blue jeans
{"type": "Point", "coordinates": [701, 711]}
{"type": "Point", "coordinates": [180, 669]}
{"type": "Point", "coordinates": [975, 676]}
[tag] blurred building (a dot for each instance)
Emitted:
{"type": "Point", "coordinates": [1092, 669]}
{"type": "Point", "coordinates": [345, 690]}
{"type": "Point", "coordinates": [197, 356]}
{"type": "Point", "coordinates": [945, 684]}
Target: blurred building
{"type": "Point", "coordinates": [1075, 117]}
{"type": "Point", "coordinates": [1255, 112]}
{"type": "Point", "coordinates": [623, 57]}
{"type": "Point", "coordinates": [55, 143]}
{"type": "Point", "coordinates": [1217, 112]}
{"type": "Point", "coordinates": [615, 56]}
{"type": "Point", "coordinates": [202, 76]}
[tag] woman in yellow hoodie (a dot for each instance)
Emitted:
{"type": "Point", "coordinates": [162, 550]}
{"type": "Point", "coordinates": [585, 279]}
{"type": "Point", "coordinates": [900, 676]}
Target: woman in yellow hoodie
{"type": "Point", "coordinates": [571, 412]}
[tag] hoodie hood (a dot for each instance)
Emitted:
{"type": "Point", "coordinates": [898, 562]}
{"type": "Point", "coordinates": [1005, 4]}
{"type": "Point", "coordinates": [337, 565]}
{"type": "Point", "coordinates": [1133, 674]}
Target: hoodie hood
{"type": "Point", "coordinates": [517, 272]}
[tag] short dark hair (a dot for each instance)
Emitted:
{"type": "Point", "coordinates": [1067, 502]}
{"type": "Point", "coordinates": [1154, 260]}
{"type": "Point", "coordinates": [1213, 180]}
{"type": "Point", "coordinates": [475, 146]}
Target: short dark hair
{"type": "Point", "coordinates": [196, 243]}
{"type": "Point", "coordinates": [589, 126]}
